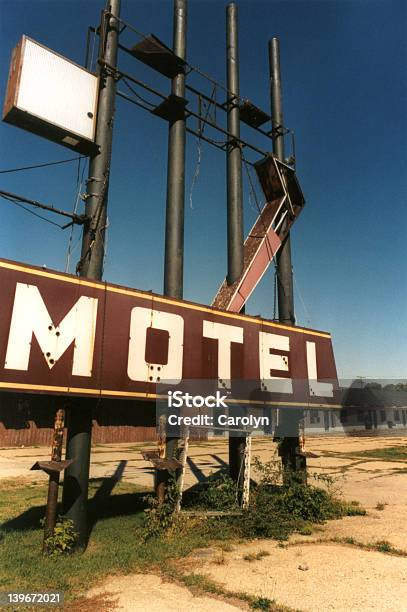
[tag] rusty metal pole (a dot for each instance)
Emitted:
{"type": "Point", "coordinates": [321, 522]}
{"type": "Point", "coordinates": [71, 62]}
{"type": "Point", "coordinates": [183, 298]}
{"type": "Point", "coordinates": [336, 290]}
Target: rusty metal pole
{"type": "Point", "coordinates": [290, 446]}
{"type": "Point", "coordinates": [234, 195]}
{"type": "Point", "coordinates": [76, 480]}
{"type": "Point", "coordinates": [52, 500]}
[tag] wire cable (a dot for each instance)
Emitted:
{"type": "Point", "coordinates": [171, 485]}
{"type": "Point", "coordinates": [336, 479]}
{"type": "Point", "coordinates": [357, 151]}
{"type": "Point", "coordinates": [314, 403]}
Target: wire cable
{"type": "Point", "coordinates": [199, 148]}
{"type": "Point", "coordinates": [31, 211]}
{"type": "Point", "coordinates": [133, 91]}
{"type": "Point", "coordinates": [79, 183]}
{"type": "Point", "coordinates": [56, 163]}
{"type": "Point", "coordinates": [306, 311]}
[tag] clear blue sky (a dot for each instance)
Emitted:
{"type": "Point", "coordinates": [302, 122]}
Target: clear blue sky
{"type": "Point", "coordinates": [344, 90]}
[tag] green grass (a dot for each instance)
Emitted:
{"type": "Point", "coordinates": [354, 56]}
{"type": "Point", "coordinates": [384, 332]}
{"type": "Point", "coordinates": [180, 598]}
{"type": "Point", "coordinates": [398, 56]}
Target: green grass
{"type": "Point", "coordinates": [116, 546]}
{"type": "Point", "coordinates": [382, 546]}
{"type": "Point", "coordinates": [116, 543]}
{"type": "Point", "coordinates": [392, 453]}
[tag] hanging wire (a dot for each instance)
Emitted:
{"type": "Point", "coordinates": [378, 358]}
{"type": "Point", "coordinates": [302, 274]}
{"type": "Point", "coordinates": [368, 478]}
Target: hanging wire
{"type": "Point", "coordinates": [13, 201]}
{"type": "Point", "coordinates": [306, 311]}
{"type": "Point", "coordinates": [105, 240]}
{"type": "Point", "coordinates": [45, 165]}
{"type": "Point", "coordinates": [138, 96]}
{"type": "Point", "coordinates": [79, 184]}
{"type": "Point", "coordinates": [199, 147]}
{"type": "Point", "coordinates": [254, 206]}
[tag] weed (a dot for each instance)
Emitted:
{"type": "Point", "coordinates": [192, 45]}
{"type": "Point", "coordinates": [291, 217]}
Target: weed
{"type": "Point", "coordinates": [333, 484]}
{"type": "Point", "coordinates": [383, 546]}
{"type": "Point", "coordinates": [203, 583]}
{"type": "Point", "coordinates": [256, 556]}
{"type": "Point", "coordinates": [269, 472]}
{"type": "Point", "coordinates": [352, 508]}
{"type": "Point", "coordinates": [161, 516]}
{"type": "Point", "coordinates": [218, 493]}
{"type": "Point", "coordinates": [200, 583]}
{"type": "Point", "coordinates": [381, 505]}
{"type": "Point", "coordinates": [262, 603]}
{"type": "Point", "coordinates": [380, 546]}
{"type": "Point", "coordinates": [305, 529]}
{"type": "Point", "coordinates": [63, 540]}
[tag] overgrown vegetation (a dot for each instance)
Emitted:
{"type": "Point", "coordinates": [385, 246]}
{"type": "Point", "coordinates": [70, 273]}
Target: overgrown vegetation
{"type": "Point", "coordinates": [116, 543]}
{"type": "Point", "coordinates": [125, 538]}
{"type": "Point", "coordinates": [160, 517]}
{"type": "Point", "coordinates": [219, 494]}
{"type": "Point", "coordinates": [275, 510]}
{"type": "Point", "coordinates": [278, 510]}
{"type": "Point", "coordinates": [63, 539]}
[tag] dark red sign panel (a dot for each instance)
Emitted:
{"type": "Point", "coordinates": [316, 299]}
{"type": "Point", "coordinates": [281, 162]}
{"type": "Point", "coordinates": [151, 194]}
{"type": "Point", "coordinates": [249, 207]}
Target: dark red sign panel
{"type": "Point", "coordinates": [66, 335]}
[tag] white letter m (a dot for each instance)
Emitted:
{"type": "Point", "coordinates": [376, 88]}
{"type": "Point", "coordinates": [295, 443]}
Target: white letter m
{"type": "Point", "coordinates": [30, 316]}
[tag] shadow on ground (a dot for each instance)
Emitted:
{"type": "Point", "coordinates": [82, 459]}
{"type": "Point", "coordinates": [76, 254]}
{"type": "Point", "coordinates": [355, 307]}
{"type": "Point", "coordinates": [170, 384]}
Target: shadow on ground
{"type": "Point", "coordinates": [102, 505]}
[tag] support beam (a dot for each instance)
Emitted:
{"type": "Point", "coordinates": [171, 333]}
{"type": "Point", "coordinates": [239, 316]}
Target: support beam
{"type": "Point", "coordinates": [234, 193]}
{"type": "Point", "coordinates": [75, 493]}
{"type": "Point", "coordinates": [52, 500]}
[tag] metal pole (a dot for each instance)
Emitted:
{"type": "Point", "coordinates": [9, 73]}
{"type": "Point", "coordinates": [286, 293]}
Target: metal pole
{"type": "Point", "coordinates": [174, 223]}
{"type": "Point", "coordinates": [174, 229]}
{"type": "Point", "coordinates": [76, 478]}
{"type": "Point", "coordinates": [290, 447]}
{"type": "Point", "coordinates": [234, 192]}
{"type": "Point", "coordinates": [284, 268]}
{"type": "Point", "coordinates": [233, 157]}
{"type": "Point", "coordinates": [93, 243]}
{"type": "Point", "coordinates": [76, 481]}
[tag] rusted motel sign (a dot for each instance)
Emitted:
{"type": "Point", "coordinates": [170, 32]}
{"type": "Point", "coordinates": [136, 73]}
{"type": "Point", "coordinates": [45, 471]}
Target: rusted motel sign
{"type": "Point", "coordinates": [65, 335]}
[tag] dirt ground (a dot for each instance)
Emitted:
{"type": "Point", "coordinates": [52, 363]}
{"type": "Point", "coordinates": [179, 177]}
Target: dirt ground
{"type": "Point", "coordinates": [310, 573]}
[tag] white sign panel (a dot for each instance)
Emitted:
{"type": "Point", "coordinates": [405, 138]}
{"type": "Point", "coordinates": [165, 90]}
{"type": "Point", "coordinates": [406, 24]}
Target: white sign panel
{"type": "Point", "coordinates": [51, 96]}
